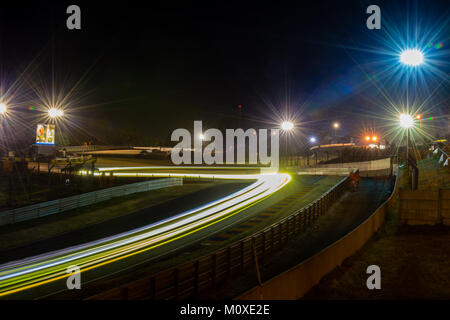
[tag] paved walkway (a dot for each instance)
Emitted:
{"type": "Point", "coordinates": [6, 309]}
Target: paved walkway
{"type": "Point", "coordinates": [349, 212]}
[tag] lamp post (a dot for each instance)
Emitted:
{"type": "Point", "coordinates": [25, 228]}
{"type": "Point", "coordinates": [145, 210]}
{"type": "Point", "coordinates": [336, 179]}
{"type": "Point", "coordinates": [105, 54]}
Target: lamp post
{"type": "Point", "coordinates": [336, 126]}
{"type": "Point", "coordinates": [412, 57]}
{"type": "Point", "coordinates": [3, 110]}
{"type": "Point", "coordinates": [406, 121]}
{"type": "Point", "coordinates": [55, 113]}
{"type": "Point", "coordinates": [287, 126]}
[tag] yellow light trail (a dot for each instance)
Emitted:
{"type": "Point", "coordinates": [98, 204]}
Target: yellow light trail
{"type": "Point", "coordinates": [38, 270]}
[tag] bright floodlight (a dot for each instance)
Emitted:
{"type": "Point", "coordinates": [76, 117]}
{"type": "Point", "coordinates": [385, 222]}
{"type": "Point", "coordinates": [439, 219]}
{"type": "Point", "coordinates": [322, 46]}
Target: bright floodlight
{"type": "Point", "coordinates": [411, 57]}
{"type": "Point", "coordinates": [287, 125]}
{"type": "Point", "coordinates": [312, 140]}
{"type": "Point", "coordinates": [3, 108]}
{"type": "Point", "coordinates": [406, 121]}
{"type": "Point", "coordinates": [53, 113]}
{"type": "Point", "coordinates": [336, 125]}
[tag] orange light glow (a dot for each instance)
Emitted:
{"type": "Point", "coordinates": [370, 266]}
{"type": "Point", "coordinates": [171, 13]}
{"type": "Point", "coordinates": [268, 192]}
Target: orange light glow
{"type": "Point", "coordinates": [374, 138]}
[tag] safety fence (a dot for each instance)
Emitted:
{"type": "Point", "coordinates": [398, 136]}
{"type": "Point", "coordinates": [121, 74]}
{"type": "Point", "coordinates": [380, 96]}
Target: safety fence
{"type": "Point", "coordinates": [206, 273]}
{"type": "Point", "coordinates": [90, 147]}
{"type": "Point", "coordinates": [60, 205]}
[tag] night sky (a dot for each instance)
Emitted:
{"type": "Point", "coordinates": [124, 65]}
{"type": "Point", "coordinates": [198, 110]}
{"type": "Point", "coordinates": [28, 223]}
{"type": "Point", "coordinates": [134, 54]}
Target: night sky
{"type": "Point", "coordinates": [155, 66]}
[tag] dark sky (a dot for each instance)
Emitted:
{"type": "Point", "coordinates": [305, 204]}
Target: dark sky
{"type": "Point", "coordinates": [159, 65]}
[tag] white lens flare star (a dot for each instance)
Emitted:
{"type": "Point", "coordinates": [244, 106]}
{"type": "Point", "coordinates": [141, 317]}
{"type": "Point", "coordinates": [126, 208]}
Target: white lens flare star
{"type": "Point", "coordinates": [3, 108]}
{"type": "Point", "coordinates": [411, 57]}
{"type": "Point", "coordinates": [287, 125]}
{"type": "Point", "coordinates": [406, 121]}
{"type": "Point", "coordinates": [54, 113]}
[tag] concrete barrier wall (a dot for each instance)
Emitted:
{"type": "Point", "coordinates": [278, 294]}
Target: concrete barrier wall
{"type": "Point", "coordinates": [362, 166]}
{"type": "Point", "coordinates": [295, 282]}
{"type": "Point", "coordinates": [375, 168]}
{"type": "Point", "coordinates": [425, 207]}
{"type": "Point", "coordinates": [326, 171]}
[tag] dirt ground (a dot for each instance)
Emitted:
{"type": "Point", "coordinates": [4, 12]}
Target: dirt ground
{"type": "Point", "coordinates": [414, 264]}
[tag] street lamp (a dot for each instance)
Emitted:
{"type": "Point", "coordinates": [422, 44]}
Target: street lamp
{"type": "Point", "coordinates": [411, 57]}
{"type": "Point", "coordinates": [406, 121]}
{"type": "Point", "coordinates": [55, 113]}
{"type": "Point", "coordinates": [3, 108]}
{"type": "Point", "coordinates": [335, 126]}
{"type": "Point", "coordinates": [312, 140]}
{"type": "Point", "coordinates": [287, 126]}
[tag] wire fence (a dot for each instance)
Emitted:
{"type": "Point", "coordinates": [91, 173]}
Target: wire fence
{"type": "Point", "coordinates": [60, 205]}
{"type": "Point", "coordinates": [206, 273]}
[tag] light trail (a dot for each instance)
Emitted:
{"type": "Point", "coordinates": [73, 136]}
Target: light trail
{"type": "Point", "coordinates": [31, 272]}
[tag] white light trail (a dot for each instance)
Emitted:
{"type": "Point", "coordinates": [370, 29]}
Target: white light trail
{"type": "Point", "coordinates": [30, 272]}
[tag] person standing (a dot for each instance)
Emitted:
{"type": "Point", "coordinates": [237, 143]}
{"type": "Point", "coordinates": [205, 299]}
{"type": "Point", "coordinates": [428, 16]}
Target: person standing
{"type": "Point", "coordinates": [357, 179]}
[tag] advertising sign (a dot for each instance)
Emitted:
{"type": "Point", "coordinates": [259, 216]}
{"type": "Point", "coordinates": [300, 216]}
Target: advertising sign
{"type": "Point", "coordinates": [45, 134]}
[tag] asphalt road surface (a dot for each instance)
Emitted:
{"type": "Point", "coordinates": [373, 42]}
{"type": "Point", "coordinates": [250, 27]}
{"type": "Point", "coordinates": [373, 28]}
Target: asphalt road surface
{"type": "Point", "coordinates": [177, 251]}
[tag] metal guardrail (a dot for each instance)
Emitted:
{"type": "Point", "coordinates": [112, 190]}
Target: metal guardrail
{"type": "Point", "coordinates": [205, 273]}
{"type": "Point", "coordinates": [60, 205]}
{"type": "Point", "coordinates": [66, 160]}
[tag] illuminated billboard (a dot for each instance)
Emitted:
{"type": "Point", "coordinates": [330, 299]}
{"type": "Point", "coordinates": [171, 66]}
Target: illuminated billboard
{"type": "Point", "coordinates": [45, 134]}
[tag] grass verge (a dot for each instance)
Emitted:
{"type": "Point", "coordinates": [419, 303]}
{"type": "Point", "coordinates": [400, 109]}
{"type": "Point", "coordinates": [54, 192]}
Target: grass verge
{"type": "Point", "coordinates": [33, 230]}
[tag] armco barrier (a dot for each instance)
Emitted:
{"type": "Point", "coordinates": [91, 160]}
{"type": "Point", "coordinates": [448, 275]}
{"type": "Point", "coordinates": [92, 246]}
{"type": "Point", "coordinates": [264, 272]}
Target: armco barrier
{"type": "Point", "coordinates": [205, 273]}
{"type": "Point", "coordinates": [64, 204]}
{"type": "Point", "coordinates": [295, 282]}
